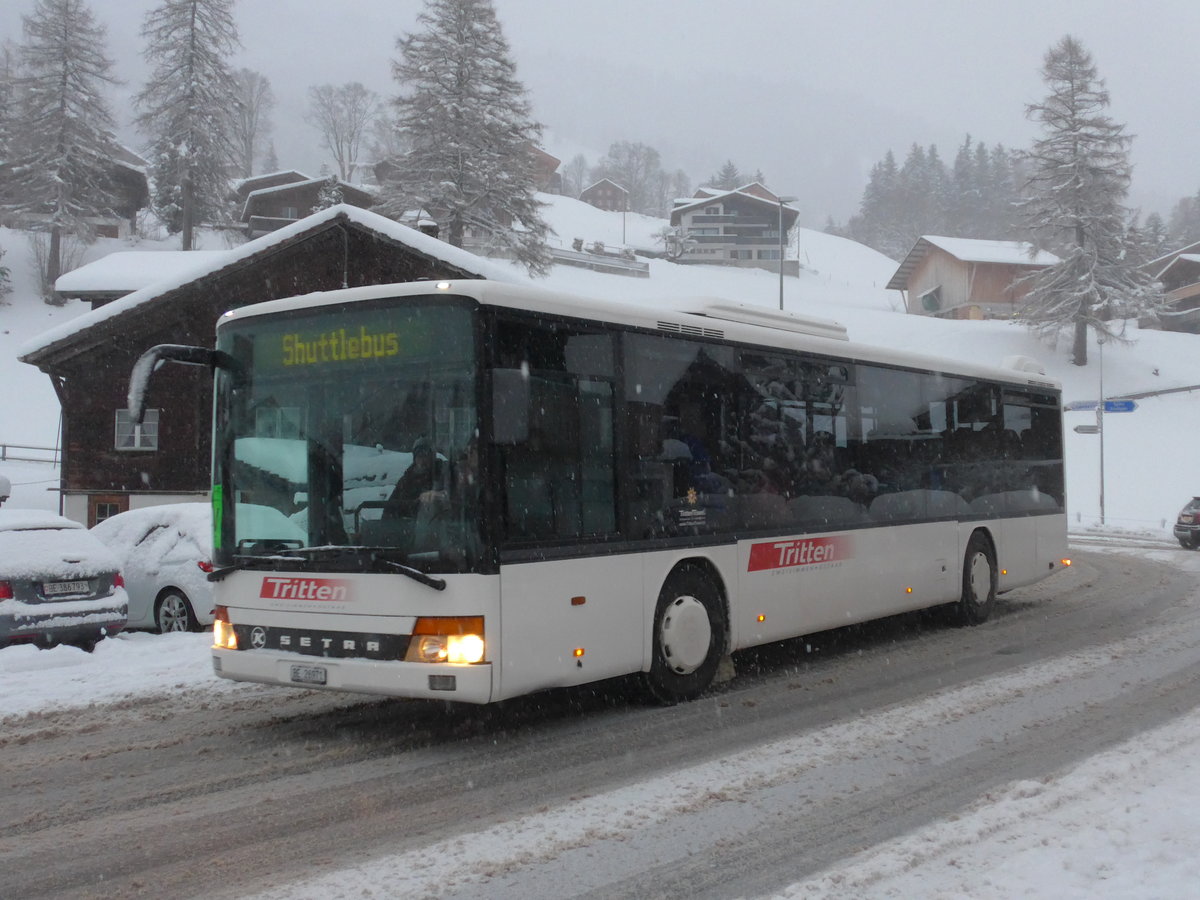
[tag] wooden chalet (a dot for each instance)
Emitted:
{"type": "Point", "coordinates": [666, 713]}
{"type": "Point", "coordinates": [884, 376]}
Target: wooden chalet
{"type": "Point", "coordinates": [963, 278]}
{"type": "Point", "coordinates": [745, 227]}
{"type": "Point", "coordinates": [274, 206]}
{"type": "Point", "coordinates": [606, 194]}
{"type": "Point", "coordinates": [109, 466]}
{"type": "Point", "coordinates": [1179, 274]}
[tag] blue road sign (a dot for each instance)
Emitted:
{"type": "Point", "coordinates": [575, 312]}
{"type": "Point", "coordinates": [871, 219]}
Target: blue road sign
{"type": "Point", "coordinates": [1115, 406]}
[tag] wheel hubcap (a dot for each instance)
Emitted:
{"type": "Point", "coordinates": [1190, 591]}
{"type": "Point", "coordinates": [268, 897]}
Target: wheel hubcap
{"type": "Point", "coordinates": [981, 579]}
{"type": "Point", "coordinates": [685, 635]}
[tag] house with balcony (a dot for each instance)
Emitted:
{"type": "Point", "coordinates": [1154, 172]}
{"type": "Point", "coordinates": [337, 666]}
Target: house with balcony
{"type": "Point", "coordinates": [964, 278]}
{"type": "Point", "coordinates": [1179, 274]}
{"type": "Point", "coordinates": [744, 227]}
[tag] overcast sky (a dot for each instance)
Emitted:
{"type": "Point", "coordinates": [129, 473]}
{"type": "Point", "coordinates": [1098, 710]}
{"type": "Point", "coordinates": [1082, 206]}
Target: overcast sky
{"type": "Point", "coordinates": [812, 92]}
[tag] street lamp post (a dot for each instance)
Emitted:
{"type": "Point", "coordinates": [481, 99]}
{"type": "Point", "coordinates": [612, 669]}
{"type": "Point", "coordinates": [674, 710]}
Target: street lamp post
{"type": "Point", "coordinates": [1100, 424]}
{"type": "Point", "coordinates": [782, 200]}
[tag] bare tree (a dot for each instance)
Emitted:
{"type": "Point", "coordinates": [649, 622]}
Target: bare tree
{"type": "Point", "coordinates": [574, 176]}
{"type": "Point", "coordinates": [344, 115]}
{"type": "Point", "coordinates": [251, 119]}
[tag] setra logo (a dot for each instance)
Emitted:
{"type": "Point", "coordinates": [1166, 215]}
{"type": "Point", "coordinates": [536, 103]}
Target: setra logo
{"type": "Point", "coordinates": [278, 587]}
{"type": "Point", "coordinates": [800, 552]}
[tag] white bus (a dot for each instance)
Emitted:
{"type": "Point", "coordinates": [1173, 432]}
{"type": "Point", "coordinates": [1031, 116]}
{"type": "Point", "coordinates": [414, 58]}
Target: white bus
{"type": "Point", "coordinates": [471, 491]}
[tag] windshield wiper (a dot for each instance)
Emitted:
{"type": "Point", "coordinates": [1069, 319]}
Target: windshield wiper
{"type": "Point", "coordinates": [378, 562]}
{"type": "Point", "coordinates": [438, 584]}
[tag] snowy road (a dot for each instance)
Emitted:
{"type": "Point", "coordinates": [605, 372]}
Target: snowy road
{"type": "Point", "coordinates": [816, 751]}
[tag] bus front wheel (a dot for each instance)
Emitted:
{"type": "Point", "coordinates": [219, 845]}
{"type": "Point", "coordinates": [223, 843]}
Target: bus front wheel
{"type": "Point", "coordinates": [689, 638]}
{"type": "Point", "coordinates": [979, 581]}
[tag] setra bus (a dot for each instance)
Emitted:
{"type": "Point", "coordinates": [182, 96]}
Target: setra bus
{"type": "Point", "coordinates": [469, 490]}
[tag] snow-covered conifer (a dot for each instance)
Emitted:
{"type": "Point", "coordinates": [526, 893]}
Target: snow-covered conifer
{"type": "Point", "coordinates": [60, 155]}
{"type": "Point", "coordinates": [1079, 174]}
{"type": "Point", "coordinates": [468, 128]}
{"type": "Point", "coordinates": [187, 108]}
{"type": "Point", "coordinates": [330, 194]}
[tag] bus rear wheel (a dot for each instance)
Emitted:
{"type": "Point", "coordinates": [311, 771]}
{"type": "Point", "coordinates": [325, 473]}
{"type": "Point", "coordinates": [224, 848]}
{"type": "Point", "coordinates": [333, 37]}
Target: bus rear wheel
{"type": "Point", "coordinates": [979, 581]}
{"type": "Point", "coordinates": [689, 638]}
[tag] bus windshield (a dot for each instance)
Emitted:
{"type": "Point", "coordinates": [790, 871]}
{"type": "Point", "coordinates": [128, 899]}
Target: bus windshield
{"type": "Point", "coordinates": [347, 436]}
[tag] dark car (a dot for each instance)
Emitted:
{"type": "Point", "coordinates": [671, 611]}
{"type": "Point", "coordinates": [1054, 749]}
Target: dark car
{"type": "Point", "coordinates": [58, 583]}
{"type": "Point", "coordinates": [1187, 526]}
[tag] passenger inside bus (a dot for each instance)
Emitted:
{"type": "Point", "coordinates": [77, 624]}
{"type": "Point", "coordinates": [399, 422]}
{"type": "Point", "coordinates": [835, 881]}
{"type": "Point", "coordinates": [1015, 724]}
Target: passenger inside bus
{"type": "Point", "coordinates": [424, 476]}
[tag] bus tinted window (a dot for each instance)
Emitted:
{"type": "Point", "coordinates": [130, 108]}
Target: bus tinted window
{"type": "Point", "coordinates": [559, 474]}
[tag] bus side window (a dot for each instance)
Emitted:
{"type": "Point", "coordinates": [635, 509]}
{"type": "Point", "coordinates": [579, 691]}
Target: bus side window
{"type": "Point", "coordinates": [558, 464]}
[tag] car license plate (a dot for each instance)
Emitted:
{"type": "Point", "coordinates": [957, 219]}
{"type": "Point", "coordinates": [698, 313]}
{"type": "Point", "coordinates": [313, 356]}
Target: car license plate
{"type": "Point", "coordinates": [308, 674]}
{"type": "Point", "coordinates": [55, 588]}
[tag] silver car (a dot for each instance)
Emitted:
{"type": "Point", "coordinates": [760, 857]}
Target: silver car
{"type": "Point", "coordinates": [58, 584]}
{"type": "Point", "coordinates": [166, 555]}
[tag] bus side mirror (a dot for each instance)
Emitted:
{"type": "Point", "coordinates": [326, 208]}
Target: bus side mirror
{"type": "Point", "coordinates": [510, 406]}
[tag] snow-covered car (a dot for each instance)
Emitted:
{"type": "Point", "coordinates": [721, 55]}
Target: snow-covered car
{"type": "Point", "coordinates": [166, 555]}
{"type": "Point", "coordinates": [58, 583]}
{"type": "Point", "coordinates": [1187, 525]}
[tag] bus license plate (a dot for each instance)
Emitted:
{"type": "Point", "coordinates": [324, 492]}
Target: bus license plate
{"type": "Point", "coordinates": [308, 674]}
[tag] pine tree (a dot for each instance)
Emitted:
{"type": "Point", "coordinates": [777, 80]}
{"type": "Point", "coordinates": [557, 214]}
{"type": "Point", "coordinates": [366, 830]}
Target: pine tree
{"type": "Point", "coordinates": [251, 119]}
{"type": "Point", "coordinates": [330, 194]}
{"type": "Point", "coordinates": [727, 178]}
{"type": "Point", "coordinates": [186, 109]}
{"type": "Point", "coordinates": [61, 143]}
{"type": "Point", "coordinates": [465, 118]}
{"type": "Point", "coordinates": [271, 159]}
{"type": "Point", "coordinates": [344, 115]}
{"type": "Point", "coordinates": [1079, 176]}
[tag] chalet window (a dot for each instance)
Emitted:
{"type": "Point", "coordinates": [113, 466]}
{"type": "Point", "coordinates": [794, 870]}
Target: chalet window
{"type": "Point", "coordinates": [137, 437]}
{"type": "Point", "coordinates": [768, 254]}
{"type": "Point", "coordinates": [291, 212]}
{"type": "Point", "coordinates": [712, 210]}
{"type": "Point", "coordinates": [931, 301]}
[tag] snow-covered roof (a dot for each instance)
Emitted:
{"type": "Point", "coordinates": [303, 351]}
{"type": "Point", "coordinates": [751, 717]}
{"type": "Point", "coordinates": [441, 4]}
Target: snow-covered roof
{"type": "Point", "coordinates": [212, 263]}
{"type": "Point", "coordinates": [129, 270]}
{"type": "Point", "coordinates": [1011, 253]}
{"type": "Point", "coordinates": [1016, 253]}
{"type": "Point", "coordinates": [601, 181]}
{"type": "Point", "coordinates": [790, 211]}
{"type": "Point", "coordinates": [364, 190]}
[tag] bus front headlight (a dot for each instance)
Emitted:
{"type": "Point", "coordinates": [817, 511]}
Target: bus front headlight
{"type": "Point", "coordinates": [447, 639]}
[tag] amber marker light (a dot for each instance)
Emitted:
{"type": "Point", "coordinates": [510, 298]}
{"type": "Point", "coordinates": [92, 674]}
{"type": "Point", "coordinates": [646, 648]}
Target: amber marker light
{"type": "Point", "coordinates": [579, 651]}
{"type": "Point", "coordinates": [762, 618]}
{"type": "Point", "coordinates": [1065, 562]}
{"type": "Point", "coordinates": [1004, 571]}
{"type": "Point", "coordinates": [908, 590]}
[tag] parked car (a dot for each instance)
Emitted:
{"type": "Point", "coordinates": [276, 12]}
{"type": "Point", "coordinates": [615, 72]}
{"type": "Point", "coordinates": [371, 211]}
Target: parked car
{"type": "Point", "coordinates": [58, 583]}
{"type": "Point", "coordinates": [166, 555]}
{"type": "Point", "coordinates": [1187, 525]}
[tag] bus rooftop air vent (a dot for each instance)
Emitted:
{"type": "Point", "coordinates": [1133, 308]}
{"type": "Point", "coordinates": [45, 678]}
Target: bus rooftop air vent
{"type": "Point", "coordinates": [753, 314]}
{"type": "Point", "coordinates": [693, 330]}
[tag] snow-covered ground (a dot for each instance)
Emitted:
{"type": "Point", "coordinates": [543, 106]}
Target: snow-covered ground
{"type": "Point", "coordinates": [1119, 825]}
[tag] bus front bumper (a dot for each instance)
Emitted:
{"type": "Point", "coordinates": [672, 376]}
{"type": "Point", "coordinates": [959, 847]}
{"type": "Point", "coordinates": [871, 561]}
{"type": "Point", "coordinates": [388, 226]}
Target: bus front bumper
{"type": "Point", "coordinates": [433, 681]}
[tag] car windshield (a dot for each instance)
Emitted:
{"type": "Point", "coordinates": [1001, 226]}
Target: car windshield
{"type": "Point", "coordinates": [348, 435]}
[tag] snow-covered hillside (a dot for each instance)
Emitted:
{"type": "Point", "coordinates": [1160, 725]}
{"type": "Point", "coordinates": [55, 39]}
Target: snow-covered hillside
{"type": "Point", "coordinates": [1147, 458]}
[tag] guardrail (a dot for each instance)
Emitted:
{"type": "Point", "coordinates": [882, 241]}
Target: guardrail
{"type": "Point", "coordinates": [30, 453]}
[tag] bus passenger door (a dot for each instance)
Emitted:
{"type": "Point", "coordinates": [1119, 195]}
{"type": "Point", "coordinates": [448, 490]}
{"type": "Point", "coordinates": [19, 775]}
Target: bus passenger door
{"type": "Point", "coordinates": [570, 611]}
